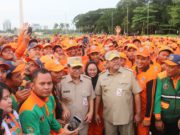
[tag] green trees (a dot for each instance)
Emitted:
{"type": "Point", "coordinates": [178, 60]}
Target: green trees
{"type": "Point", "coordinates": [144, 19]}
{"type": "Point", "coordinates": [134, 16]}
{"type": "Point", "coordinates": [174, 13]}
{"type": "Point", "coordinates": [61, 28]}
{"type": "Point", "coordinates": [93, 20]}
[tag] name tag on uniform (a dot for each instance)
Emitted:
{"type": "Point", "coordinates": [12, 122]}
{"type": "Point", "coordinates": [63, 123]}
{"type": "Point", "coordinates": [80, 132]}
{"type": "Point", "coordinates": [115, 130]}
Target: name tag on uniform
{"type": "Point", "coordinates": [85, 101]}
{"type": "Point", "coordinates": [119, 92]}
{"type": "Point", "coordinates": [66, 91]}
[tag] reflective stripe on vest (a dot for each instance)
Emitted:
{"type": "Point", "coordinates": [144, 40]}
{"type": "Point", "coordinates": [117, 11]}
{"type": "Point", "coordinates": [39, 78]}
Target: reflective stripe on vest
{"type": "Point", "coordinates": [170, 97]}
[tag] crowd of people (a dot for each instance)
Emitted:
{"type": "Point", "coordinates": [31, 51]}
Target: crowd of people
{"type": "Point", "coordinates": [113, 84]}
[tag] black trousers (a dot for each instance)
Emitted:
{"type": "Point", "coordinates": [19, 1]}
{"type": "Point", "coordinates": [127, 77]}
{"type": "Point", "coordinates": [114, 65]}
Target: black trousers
{"type": "Point", "coordinates": [169, 129]}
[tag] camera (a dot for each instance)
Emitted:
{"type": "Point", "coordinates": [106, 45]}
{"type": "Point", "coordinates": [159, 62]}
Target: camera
{"type": "Point", "coordinates": [74, 123]}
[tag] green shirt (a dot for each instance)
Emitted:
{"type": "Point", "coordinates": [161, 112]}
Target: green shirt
{"type": "Point", "coordinates": [167, 100]}
{"type": "Point", "coordinates": [37, 116]}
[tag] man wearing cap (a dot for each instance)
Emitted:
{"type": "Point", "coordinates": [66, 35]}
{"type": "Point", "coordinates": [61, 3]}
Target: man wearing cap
{"type": "Point", "coordinates": [57, 72]}
{"type": "Point", "coordinates": [14, 80]}
{"type": "Point", "coordinates": [94, 55]}
{"type": "Point", "coordinates": [167, 98]}
{"type": "Point", "coordinates": [3, 69]}
{"type": "Point", "coordinates": [30, 66]}
{"type": "Point", "coordinates": [33, 49]}
{"type": "Point", "coordinates": [118, 87]}
{"type": "Point", "coordinates": [163, 54]}
{"type": "Point", "coordinates": [7, 52]}
{"type": "Point", "coordinates": [47, 49]}
{"type": "Point", "coordinates": [71, 48]}
{"type": "Point", "coordinates": [59, 54]}
{"type": "Point", "coordinates": [130, 52]}
{"type": "Point", "coordinates": [78, 90]}
{"type": "Point", "coordinates": [144, 72]}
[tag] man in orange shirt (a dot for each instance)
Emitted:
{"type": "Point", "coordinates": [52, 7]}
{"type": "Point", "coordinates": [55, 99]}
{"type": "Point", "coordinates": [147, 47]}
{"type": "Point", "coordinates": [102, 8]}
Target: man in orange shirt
{"type": "Point", "coordinates": [144, 73]}
{"type": "Point", "coordinates": [3, 70]}
{"type": "Point", "coordinates": [94, 55]}
{"type": "Point", "coordinates": [71, 48]}
{"type": "Point", "coordinates": [59, 54]}
{"type": "Point", "coordinates": [14, 80]}
{"type": "Point", "coordinates": [7, 52]}
{"type": "Point", "coordinates": [130, 52]}
{"type": "Point", "coordinates": [163, 54]}
{"type": "Point", "coordinates": [34, 49]}
{"type": "Point", "coordinates": [47, 49]}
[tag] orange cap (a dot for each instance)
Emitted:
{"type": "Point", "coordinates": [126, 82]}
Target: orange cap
{"type": "Point", "coordinates": [93, 49]}
{"type": "Point", "coordinates": [5, 46]}
{"type": "Point", "coordinates": [19, 68]}
{"type": "Point", "coordinates": [53, 65]}
{"type": "Point", "coordinates": [131, 46]}
{"type": "Point", "coordinates": [143, 52]}
{"type": "Point", "coordinates": [123, 55]}
{"type": "Point", "coordinates": [46, 58]}
{"type": "Point", "coordinates": [165, 48]}
{"type": "Point", "coordinates": [70, 43]}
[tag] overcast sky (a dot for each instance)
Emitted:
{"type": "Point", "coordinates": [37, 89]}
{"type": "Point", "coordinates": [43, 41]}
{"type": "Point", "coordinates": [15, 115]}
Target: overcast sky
{"type": "Point", "coordinates": [47, 12]}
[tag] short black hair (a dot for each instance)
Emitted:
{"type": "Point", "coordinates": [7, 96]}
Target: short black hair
{"type": "Point", "coordinates": [136, 40]}
{"type": "Point", "coordinates": [2, 87]}
{"type": "Point", "coordinates": [38, 71]}
{"type": "Point", "coordinates": [89, 63]}
{"type": "Point", "coordinates": [56, 46]}
{"type": "Point", "coordinates": [33, 41]}
{"type": "Point", "coordinates": [115, 44]}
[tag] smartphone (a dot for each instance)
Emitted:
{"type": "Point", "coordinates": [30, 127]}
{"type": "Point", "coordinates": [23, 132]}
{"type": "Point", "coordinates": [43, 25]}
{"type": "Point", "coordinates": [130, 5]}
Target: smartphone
{"type": "Point", "coordinates": [74, 123]}
{"type": "Point", "coordinates": [29, 30]}
{"type": "Point", "coordinates": [21, 88]}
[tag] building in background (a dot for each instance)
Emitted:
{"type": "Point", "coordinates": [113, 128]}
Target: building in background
{"type": "Point", "coordinates": [6, 25]}
{"type": "Point", "coordinates": [36, 27]}
{"type": "Point", "coordinates": [45, 27]}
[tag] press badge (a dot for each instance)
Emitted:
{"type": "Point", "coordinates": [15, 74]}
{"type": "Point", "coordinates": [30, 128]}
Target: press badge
{"type": "Point", "coordinates": [85, 101]}
{"type": "Point", "coordinates": [119, 92]}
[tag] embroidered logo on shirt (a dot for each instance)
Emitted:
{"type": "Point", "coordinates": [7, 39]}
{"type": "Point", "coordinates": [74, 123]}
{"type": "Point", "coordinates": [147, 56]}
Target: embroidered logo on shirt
{"type": "Point", "coordinates": [165, 86]}
{"type": "Point", "coordinates": [30, 130]}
